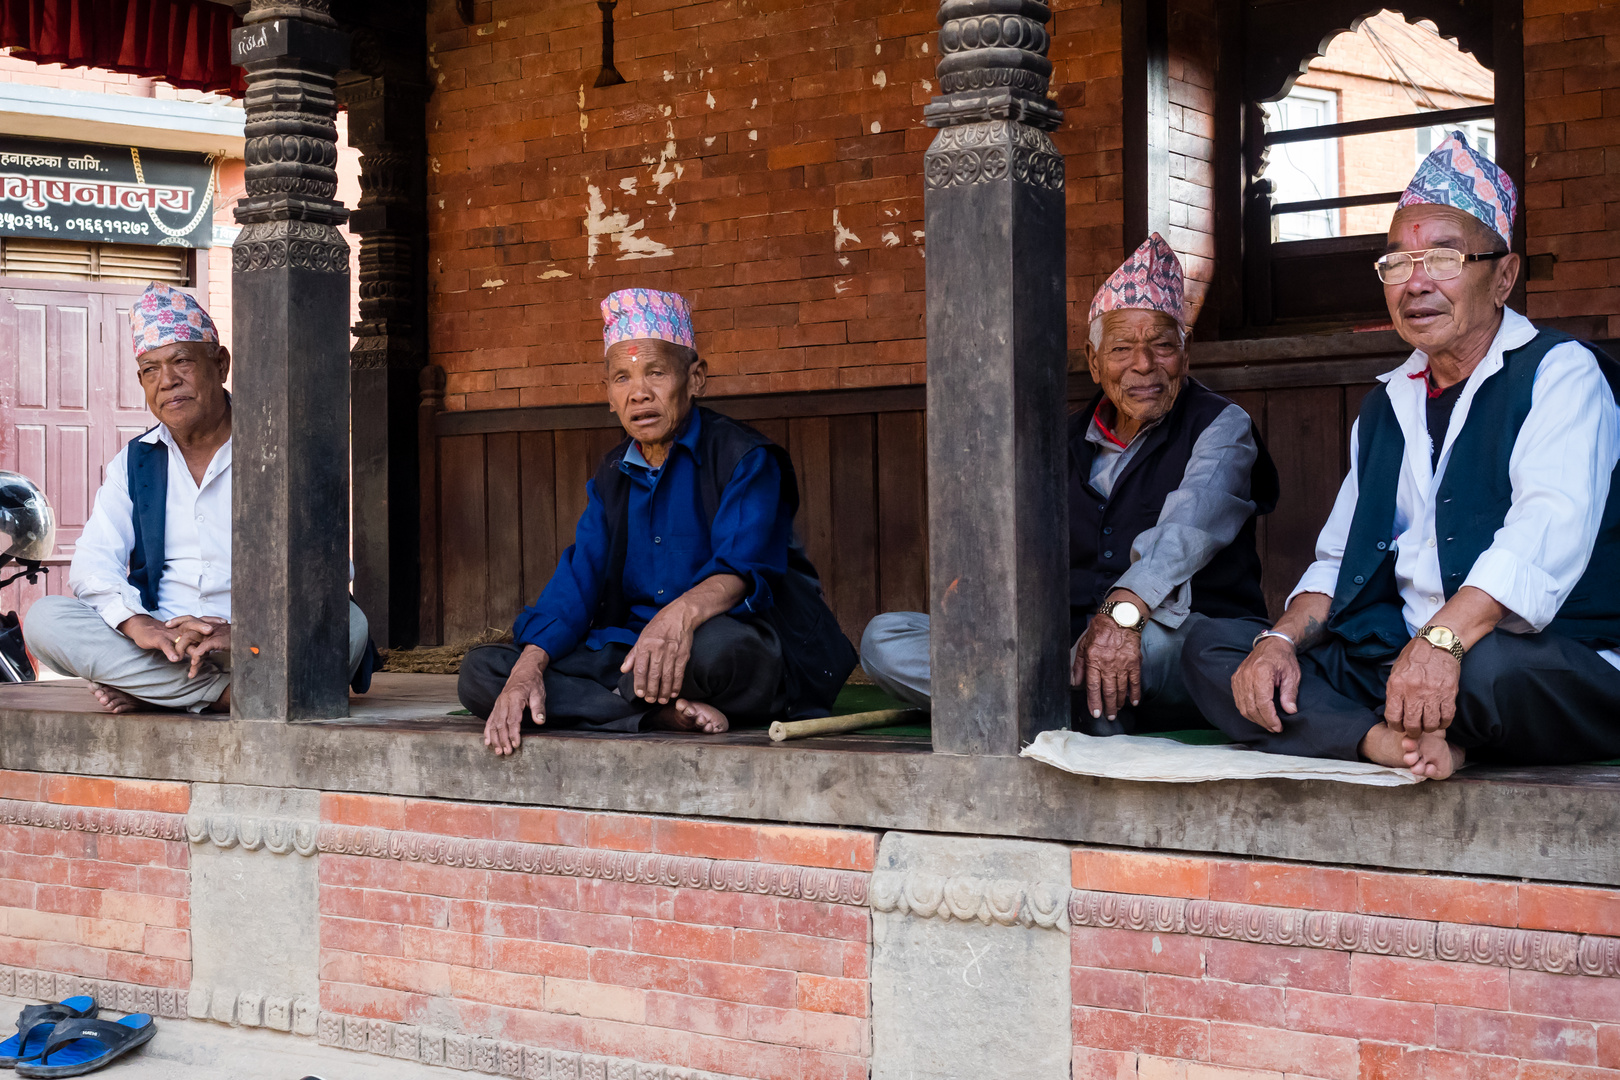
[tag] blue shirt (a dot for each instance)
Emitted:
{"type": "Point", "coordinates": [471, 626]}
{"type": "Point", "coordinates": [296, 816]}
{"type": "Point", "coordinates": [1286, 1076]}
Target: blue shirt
{"type": "Point", "coordinates": [668, 550]}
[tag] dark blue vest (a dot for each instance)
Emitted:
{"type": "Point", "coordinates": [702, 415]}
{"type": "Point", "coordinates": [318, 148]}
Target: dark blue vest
{"type": "Point", "coordinates": [149, 491]}
{"type": "Point", "coordinates": [1473, 500]}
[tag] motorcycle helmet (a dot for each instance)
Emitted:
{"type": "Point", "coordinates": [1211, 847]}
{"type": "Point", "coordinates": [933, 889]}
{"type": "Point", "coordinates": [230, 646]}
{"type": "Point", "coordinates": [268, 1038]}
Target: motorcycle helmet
{"type": "Point", "coordinates": [27, 522]}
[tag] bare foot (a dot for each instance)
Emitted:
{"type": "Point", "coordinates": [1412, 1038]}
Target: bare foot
{"type": "Point", "coordinates": [1382, 746]}
{"type": "Point", "coordinates": [1431, 756]}
{"type": "Point", "coordinates": [114, 701]}
{"type": "Point", "coordinates": [687, 715]}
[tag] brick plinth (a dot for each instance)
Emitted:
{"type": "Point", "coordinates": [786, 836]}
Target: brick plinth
{"type": "Point", "coordinates": [93, 878]}
{"type": "Point", "coordinates": [1193, 967]}
{"type": "Point", "coordinates": [736, 949]}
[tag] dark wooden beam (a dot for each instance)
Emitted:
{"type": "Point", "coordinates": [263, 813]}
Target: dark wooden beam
{"type": "Point", "coordinates": [1508, 41]}
{"type": "Point", "coordinates": [1146, 93]}
{"type": "Point", "coordinates": [997, 348]}
{"type": "Point", "coordinates": [290, 292]}
{"type": "Point", "coordinates": [1223, 311]}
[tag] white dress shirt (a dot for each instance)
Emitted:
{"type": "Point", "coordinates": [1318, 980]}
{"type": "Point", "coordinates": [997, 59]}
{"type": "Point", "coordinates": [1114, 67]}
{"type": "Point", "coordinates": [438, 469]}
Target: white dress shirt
{"type": "Point", "coordinates": [1560, 468]}
{"type": "Point", "coordinates": [196, 578]}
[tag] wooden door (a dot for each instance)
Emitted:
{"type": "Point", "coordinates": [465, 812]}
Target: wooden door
{"type": "Point", "coordinates": [69, 400]}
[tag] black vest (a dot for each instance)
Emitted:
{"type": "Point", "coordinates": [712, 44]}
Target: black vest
{"type": "Point", "coordinates": [1473, 500]}
{"type": "Point", "coordinates": [1102, 530]}
{"type": "Point", "coordinates": [818, 657]}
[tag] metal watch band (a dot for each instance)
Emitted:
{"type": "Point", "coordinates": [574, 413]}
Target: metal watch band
{"type": "Point", "coordinates": [1108, 610]}
{"type": "Point", "coordinates": [1456, 646]}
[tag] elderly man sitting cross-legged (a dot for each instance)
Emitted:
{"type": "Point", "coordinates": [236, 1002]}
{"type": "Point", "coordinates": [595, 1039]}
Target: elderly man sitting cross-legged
{"type": "Point", "coordinates": [149, 621]}
{"type": "Point", "coordinates": [1465, 599]}
{"type": "Point", "coordinates": [1165, 479]}
{"type": "Point", "coordinates": [683, 603]}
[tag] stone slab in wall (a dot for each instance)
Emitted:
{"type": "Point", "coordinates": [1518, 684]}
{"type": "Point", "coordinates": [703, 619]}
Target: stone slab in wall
{"type": "Point", "coordinates": [255, 906]}
{"type": "Point", "coordinates": [970, 961]}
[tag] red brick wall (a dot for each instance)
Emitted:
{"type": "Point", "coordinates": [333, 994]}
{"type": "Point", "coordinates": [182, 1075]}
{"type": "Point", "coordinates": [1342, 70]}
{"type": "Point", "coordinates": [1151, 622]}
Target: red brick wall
{"type": "Point", "coordinates": [94, 878]}
{"type": "Point", "coordinates": [672, 971]}
{"type": "Point", "coordinates": [1194, 41]}
{"type": "Point", "coordinates": [716, 170]}
{"type": "Point", "coordinates": [1572, 151]}
{"type": "Point", "coordinates": [1211, 996]}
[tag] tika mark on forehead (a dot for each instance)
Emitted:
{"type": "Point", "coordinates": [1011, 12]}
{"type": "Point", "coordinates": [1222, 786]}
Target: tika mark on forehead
{"type": "Point", "coordinates": [633, 352]}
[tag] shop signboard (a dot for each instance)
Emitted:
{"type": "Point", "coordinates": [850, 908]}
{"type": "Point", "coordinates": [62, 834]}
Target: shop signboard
{"type": "Point", "coordinates": [116, 194]}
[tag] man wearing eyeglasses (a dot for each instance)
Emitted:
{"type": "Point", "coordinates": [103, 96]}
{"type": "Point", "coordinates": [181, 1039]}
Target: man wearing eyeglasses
{"type": "Point", "coordinates": [1465, 599]}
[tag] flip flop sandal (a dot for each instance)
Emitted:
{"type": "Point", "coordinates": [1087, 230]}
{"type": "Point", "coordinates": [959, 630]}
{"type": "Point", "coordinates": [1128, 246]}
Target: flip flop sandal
{"type": "Point", "coordinates": [77, 1047]}
{"type": "Point", "coordinates": [34, 1025]}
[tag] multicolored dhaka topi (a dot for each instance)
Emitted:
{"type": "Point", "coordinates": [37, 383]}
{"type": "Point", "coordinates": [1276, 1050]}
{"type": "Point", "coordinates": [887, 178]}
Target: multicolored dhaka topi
{"type": "Point", "coordinates": [163, 315]}
{"type": "Point", "coordinates": [1151, 279]}
{"type": "Point", "coordinates": [647, 313]}
{"type": "Point", "coordinates": [1458, 176]}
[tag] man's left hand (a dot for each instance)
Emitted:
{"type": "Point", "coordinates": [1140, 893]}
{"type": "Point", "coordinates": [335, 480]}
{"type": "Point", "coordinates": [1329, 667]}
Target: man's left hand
{"type": "Point", "coordinates": [659, 656]}
{"type": "Point", "coordinates": [209, 633]}
{"type": "Point", "coordinates": [1421, 694]}
{"type": "Point", "coordinates": [1108, 659]}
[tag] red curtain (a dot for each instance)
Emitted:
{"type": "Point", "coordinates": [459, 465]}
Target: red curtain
{"type": "Point", "coordinates": [186, 43]}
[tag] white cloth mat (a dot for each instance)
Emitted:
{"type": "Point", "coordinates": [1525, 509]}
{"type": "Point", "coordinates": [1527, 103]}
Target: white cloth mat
{"type": "Point", "coordinates": [1165, 761]}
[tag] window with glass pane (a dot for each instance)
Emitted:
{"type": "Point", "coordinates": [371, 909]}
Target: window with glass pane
{"type": "Point", "coordinates": [1304, 171]}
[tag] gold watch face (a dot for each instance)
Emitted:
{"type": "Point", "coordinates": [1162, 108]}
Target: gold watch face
{"type": "Point", "coordinates": [1441, 637]}
{"type": "Point", "coordinates": [1127, 614]}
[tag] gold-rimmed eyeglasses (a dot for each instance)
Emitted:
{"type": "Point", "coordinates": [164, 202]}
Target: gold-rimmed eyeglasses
{"type": "Point", "coordinates": [1441, 264]}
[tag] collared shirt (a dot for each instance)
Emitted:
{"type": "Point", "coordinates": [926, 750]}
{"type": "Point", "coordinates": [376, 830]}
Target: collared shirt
{"type": "Point", "coordinates": [1560, 468]}
{"type": "Point", "coordinates": [1200, 518]}
{"type": "Point", "coordinates": [196, 576]}
{"type": "Point", "coordinates": [668, 549]}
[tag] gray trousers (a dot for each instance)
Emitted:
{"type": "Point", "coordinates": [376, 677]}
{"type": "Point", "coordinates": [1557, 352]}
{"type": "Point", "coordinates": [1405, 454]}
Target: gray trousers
{"type": "Point", "coordinates": [894, 652]}
{"type": "Point", "coordinates": [68, 636]}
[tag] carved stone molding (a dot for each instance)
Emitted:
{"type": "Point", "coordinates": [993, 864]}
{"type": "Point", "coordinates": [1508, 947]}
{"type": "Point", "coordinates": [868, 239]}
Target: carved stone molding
{"type": "Point", "coordinates": [992, 150]}
{"type": "Point", "coordinates": [434, 1046]}
{"type": "Point", "coordinates": [275, 835]}
{"type": "Point", "coordinates": [124, 997]}
{"type": "Point", "coordinates": [1494, 946]}
{"type": "Point", "coordinates": [89, 819]}
{"type": "Point", "coordinates": [676, 871]}
{"type": "Point", "coordinates": [297, 1015]}
{"type": "Point", "coordinates": [301, 245]}
{"type": "Point", "coordinates": [1002, 901]}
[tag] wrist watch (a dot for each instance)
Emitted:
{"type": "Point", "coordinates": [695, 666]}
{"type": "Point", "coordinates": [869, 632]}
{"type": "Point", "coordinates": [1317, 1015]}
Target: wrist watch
{"type": "Point", "coordinates": [1443, 638]}
{"type": "Point", "coordinates": [1126, 614]}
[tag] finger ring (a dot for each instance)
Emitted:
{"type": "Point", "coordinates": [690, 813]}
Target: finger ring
{"type": "Point", "coordinates": [177, 640]}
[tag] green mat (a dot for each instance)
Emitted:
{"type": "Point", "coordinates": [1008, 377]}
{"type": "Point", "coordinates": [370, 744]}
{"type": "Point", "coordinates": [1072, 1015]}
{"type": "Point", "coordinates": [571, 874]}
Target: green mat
{"type": "Point", "coordinates": [855, 699]}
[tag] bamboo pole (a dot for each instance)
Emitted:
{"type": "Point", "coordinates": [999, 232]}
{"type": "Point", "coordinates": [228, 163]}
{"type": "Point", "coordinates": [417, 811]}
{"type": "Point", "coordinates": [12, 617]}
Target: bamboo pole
{"type": "Point", "coordinates": [782, 730]}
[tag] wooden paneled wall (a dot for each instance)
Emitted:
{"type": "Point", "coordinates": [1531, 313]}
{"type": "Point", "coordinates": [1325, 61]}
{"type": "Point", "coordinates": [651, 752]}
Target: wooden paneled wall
{"type": "Point", "coordinates": [510, 483]}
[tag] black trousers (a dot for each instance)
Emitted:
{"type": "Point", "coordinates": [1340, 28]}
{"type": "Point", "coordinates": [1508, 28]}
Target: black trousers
{"type": "Point", "coordinates": [736, 666]}
{"type": "Point", "coordinates": [1523, 699]}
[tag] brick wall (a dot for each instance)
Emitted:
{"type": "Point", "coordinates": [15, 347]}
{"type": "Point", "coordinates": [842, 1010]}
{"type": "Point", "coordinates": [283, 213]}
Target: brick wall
{"type": "Point", "coordinates": [765, 163]}
{"type": "Point", "coordinates": [1194, 42]}
{"type": "Point", "coordinates": [1572, 150]}
{"type": "Point", "coordinates": [93, 879]}
{"type": "Point", "coordinates": [1210, 969]}
{"type": "Point", "coordinates": [626, 936]}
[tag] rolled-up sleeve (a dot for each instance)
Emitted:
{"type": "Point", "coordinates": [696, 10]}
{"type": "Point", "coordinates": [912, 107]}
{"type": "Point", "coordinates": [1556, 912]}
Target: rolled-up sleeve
{"type": "Point", "coordinates": [1560, 469]}
{"type": "Point", "coordinates": [752, 526]}
{"type": "Point", "coordinates": [559, 620]}
{"type": "Point", "coordinates": [1200, 517]}
{"type": "Point", "coordinates": [1322, 576]}
{"type": "Point", "coordinates": [99, 573]}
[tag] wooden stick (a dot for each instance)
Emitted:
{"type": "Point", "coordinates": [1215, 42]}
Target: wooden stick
{"type": "Point", "coordinates": [782, 730]}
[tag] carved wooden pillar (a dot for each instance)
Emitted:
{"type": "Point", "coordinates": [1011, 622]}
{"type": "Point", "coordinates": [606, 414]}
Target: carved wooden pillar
{"type": "Point", "coordinates": [386, 94]}
{"type": "Point", "coordinates": [290, 432]}
{"type": "Point", "coordinates": [997, 357]}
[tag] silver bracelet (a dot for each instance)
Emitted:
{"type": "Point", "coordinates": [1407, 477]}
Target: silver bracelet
{"type": "Point", "coordinates": [1273, 633]}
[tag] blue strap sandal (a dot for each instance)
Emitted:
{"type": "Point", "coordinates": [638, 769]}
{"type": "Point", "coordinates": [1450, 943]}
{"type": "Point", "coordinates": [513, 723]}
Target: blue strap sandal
{"type": "Point", "coordinates": [77, 1047]}
{"type": "Point", "coordinates": [34, 1025]}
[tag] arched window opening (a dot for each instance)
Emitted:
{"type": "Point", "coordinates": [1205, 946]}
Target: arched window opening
{"type": "Point", "coordinates": [1384, 69]}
